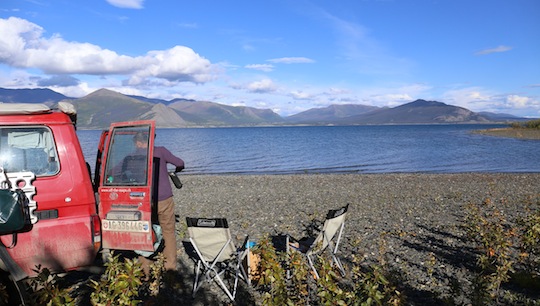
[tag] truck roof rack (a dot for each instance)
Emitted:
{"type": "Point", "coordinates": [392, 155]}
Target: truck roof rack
{"type": "Point", "coordinates": [34, 108]}
{"type": "Point", "coordinates": [23, 109]}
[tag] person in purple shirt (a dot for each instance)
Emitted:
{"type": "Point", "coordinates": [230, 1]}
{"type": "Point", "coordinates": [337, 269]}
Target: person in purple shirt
{"type": "Point", "coordinates": [165, 206]}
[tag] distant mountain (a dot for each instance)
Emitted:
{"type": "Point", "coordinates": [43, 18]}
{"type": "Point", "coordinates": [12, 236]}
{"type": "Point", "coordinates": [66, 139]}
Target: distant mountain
{"type": "Point", "coordinates": [164, 117]}
{"type": "Point", "coordinates": [98, 109]}
{"type": "Point", "coordinates": [210, 113]}
{"type": "Point", "coordinates": [330, 114]}
{"type": "Point", "coordinates": [502, 117]}
{"type": "Point", "coordinates": [418, 112]}
{"type": "Point", "coordinates": [36, 95]}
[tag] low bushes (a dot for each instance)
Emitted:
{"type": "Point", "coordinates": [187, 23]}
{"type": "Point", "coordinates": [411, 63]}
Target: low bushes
{"type": "Point", "coordinates": [531, 124]}
{"type": "Point", "coordinates": [508, 254]}
{"type": "Point", "coordinates": [285, 279]}
{"type": "Point", "coordinates": [505, 271]}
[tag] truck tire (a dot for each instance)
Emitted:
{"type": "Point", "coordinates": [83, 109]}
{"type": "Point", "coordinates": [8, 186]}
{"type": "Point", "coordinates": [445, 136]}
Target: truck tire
{"type": "Point", "coordinates": [17, 292]}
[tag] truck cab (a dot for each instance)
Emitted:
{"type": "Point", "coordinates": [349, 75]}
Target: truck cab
{"type": "Point", "coordinates": [40, 154]}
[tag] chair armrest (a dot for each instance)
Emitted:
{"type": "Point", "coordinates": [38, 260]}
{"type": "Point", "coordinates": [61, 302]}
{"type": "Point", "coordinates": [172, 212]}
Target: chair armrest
{"type": "Point", "coordinates": [242, 250]}
{"type": "Point", "coordinates": [302, 245]}
{"type": "Point", "coordinates": [244, 244]}
{"type": "Point", "coordinates": [291, 238]}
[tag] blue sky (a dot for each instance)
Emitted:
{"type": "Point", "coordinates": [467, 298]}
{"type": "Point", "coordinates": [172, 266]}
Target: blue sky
{"type": "Point", "coordinates": [284, 55]}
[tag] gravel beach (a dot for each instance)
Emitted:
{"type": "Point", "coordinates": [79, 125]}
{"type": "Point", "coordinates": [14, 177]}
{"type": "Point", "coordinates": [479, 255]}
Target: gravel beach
{"type": "Point", "coordinates": [415, 220]}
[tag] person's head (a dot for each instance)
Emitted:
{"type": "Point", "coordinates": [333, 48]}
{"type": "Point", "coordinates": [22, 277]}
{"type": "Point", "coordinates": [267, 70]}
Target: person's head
{"type": "Point", "coordinates": [141, 140]}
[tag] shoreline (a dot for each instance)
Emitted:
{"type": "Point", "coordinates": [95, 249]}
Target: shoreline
{"type": "Point", "coordinates": [238, 196]}
{"type": "Point", "coordinates": [509, 132]}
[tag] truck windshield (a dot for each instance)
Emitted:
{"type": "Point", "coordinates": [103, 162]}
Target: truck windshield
{"type": "Point", "coordinates": [28, 149]}
{"type": "Point", "coordinates": [127, 159]}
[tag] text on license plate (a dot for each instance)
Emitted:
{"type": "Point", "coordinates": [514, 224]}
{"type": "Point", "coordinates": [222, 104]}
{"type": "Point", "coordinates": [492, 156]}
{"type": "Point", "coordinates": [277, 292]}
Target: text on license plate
{"type": "Point", "coordinates": [126, 226]}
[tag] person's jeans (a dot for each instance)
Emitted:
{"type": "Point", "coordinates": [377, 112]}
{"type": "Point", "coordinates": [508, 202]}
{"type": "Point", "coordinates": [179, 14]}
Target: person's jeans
{"type": "Point", "coordinates": [166, 220]}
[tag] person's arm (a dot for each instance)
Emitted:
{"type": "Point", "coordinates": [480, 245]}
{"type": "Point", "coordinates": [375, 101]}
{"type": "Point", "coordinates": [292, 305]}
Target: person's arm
{"type": "Point", "coordinates": [174, 160]}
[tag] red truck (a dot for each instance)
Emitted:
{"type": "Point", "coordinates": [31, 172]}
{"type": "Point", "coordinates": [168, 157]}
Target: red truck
{"type": "Point", "coordinates": [70, 216]}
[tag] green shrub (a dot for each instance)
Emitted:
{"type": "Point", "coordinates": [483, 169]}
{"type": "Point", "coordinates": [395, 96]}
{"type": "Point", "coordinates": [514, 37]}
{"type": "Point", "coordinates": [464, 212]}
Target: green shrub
{"type": "Point", "coordinates": [508, 252]}
{"type": "Point", "coordinates": [47, 291]}
{"type": "Point", "coordinates": [494, 237]}
{"type": "Point", "coordinates": [272, 275]}
{"type": "Point", "coordinates": [531, 124]}
{"type": "Point", "coordinates": [286, 279]}
{"type": "Point", "coordinates": [120, 283]}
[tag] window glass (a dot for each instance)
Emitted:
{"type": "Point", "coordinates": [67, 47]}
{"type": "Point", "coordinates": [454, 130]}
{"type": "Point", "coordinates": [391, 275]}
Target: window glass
{"type": "Point", "coordinates": [30, 149]}
{"type": "Point", "coordinates": [127, 159]}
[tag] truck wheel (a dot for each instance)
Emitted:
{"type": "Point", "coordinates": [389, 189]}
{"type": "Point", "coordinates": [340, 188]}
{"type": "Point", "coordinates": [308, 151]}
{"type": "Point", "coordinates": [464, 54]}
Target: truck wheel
{"type": "Point", "coordinates": [105, 255]}
{"type": "Point", "coordinates": [15, 293]}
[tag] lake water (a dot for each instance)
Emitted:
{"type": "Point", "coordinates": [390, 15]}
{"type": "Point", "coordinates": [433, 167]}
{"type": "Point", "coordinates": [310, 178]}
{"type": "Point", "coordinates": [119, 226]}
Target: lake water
{"type": "Point", "coordinates": [341, 149]}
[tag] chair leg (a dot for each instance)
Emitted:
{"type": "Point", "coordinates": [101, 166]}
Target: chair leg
{"type": "Point", "coordinates": [218, 279]}
{"type": "Point", "coordinates": [241, 271]}
{"type": "Point", "coordinates": [334, 250]}
{"type": "Point", "coordinates": [339, 265]}
{"type": "Point", "coordinates": [287, 249]}
{"type": "Point", "coordinates": [312, 266]}
{"type": "Point", "coordinates": [196, 284]}
{"type": "Point", "coordinates": [235, 282]}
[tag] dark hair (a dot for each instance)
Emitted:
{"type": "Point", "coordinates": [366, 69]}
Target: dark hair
{"type": "Point", "coordinates": [141, 136]}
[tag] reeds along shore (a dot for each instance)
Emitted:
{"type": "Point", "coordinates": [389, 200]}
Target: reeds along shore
{"type": "Point", "coordinates": [519, 133]}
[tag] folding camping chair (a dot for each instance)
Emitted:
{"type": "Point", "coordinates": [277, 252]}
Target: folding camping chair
{"type": "Point", "coordinates": [216, 254]}
{"type": "Point", "coordinates": [325, 240]}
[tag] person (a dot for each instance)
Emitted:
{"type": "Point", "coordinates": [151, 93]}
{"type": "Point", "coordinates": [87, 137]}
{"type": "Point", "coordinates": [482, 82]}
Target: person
{"type": "Point", "coordinates": [165, 204]}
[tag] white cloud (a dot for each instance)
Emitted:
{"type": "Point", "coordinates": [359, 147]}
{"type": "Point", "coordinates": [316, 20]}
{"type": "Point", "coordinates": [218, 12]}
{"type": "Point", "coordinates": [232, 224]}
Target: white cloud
{"type": "Point", "coordinates": [178, 64]}
{"type": "Point", "coordinates": [261, 67]}
{"type": "Point", "coordinates": [262, 86]}
{"type": "Point", "coordinates": [516, 101]}
{"type": "Point", "coordinates": [292, 60]}
{"type": "Point", "coordinates": [80, 90]}
{"type": "Point", "coordinates": [392, 96]}
{"type": "Point", "coordinates": [389, 99]}
{"type": "Point", "coordinates": [337, 91]}
{"type": "Point", "coordinates": [477, 100]}
{"type": "Point", "coordinates": [472, 98]}
{"type": "Point", "coordinates": [494, 50]}
{"type": "Point", "coordinates": [132, 4]}
{"type": "Point", "coordinates": [301, 95]}
{"type": "Point", "coordinates": [22, 45]}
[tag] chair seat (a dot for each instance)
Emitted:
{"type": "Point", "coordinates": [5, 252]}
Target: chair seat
{"type": "Point", "coordinates": [327, 240]}
{"type": "Point", "coordinates": [212, 247]}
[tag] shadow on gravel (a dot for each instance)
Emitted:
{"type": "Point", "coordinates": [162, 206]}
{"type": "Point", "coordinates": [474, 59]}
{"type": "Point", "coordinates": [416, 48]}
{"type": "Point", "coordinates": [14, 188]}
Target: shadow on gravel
{"type": "Point", "coordinates": [441, 259]}
{"type": "Point", "coordinates": [446, 247]}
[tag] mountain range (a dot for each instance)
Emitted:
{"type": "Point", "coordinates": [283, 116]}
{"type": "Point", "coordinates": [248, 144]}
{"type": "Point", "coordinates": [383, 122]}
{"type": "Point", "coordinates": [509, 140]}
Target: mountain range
{"type": "Point", "coordinates": [98, 109]}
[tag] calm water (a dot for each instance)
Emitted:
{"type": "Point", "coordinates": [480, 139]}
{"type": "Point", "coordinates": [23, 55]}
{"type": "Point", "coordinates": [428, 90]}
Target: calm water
{"type": "Point", "coordinates": [341, 149]}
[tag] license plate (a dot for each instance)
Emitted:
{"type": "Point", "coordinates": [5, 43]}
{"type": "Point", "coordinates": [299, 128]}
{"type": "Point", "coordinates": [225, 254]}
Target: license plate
{"type": "Point", "coordinates": [123, 215]}
{"type": "Point", "coordinates": [126, 226]}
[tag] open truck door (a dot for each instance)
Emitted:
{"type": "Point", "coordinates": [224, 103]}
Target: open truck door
{"type": "Point", "coordinates": [126, 188]}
